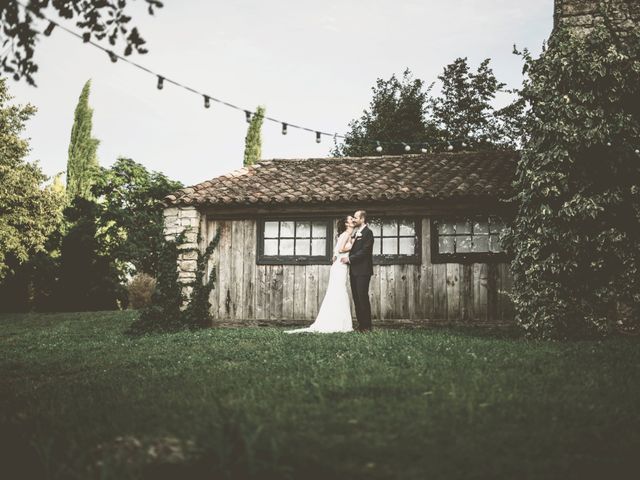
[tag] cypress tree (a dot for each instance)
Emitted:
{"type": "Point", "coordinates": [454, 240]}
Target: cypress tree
{"type": "Point", "coordinates": [253, 141]}
{"type": "Point", "coordinates": [82, 164]}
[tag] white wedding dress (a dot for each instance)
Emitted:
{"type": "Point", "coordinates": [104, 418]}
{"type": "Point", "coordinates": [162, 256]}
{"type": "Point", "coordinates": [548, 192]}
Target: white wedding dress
{"type": "Point", "coordinates": [335, 312]}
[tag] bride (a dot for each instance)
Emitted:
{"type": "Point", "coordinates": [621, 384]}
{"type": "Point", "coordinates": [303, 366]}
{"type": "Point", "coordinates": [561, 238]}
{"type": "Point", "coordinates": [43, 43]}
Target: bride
{"type": "Point", "coordinates": [335, 312]}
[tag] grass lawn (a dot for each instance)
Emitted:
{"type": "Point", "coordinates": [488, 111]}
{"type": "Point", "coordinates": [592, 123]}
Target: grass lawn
{"type": "Point", "coordinates": [78, 399]}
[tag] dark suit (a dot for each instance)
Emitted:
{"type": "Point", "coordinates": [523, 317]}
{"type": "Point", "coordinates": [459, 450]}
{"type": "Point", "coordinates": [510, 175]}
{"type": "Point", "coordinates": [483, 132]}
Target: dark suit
{"type": "Point", "coordinates": [361, 261]}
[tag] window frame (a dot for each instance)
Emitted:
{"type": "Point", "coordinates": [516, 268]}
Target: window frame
{"type": "Point", "coordinates": [262, 259]}
{"type": "Point", "coordinates": [397, 259]}
{"type": "Point", "coordinates": [466, 257]}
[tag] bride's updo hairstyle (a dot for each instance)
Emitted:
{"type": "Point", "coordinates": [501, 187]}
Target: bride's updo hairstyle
{"type": "Point", "coordinates": [341, 225]}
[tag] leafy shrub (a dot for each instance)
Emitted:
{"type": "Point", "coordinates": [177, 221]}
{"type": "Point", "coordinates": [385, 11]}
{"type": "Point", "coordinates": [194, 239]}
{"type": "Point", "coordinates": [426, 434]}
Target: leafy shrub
{"type": "Point", "coordinates": [576, 236]}
{"type": "Point", "coordinates": [163, 314]}
{"type": "Point", "coordinates": [140, 289]}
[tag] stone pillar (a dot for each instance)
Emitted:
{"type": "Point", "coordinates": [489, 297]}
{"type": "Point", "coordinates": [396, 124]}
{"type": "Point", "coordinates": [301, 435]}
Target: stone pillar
{"type": "Point", "coordinates": [176, 220]}
{"type": "Point", "coordinates": [583, 15]}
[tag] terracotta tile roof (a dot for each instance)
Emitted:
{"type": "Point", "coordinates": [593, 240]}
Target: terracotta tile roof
{"type": "Point", "coordinates": [324, 180]}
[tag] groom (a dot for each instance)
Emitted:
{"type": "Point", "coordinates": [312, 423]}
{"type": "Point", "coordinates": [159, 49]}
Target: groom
{"type": "Point", "coordinates": [361, 261]}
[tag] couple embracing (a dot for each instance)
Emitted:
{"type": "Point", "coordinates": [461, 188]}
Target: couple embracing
{"type": "Point", "coordinates": [352, 256]}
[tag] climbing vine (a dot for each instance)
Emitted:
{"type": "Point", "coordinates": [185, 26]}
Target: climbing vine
{"type": "Point", "coordinates": [164, 313]}
{"type": "Point", "coordinates": [575, 239]}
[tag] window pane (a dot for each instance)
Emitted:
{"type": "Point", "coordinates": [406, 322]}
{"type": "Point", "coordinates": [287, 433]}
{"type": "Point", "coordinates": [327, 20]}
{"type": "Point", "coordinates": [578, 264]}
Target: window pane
{"type": "Point", "coordinates": [481, 243]}
{"type": "Point", "coordinates": [319, 230]}
{"type": "Point", "coordinates": [303, 247]}
{"type": "Point", "coordinates": [496, 224]}
{"type": "Point", "coordinates": [318, 247]}
{"type": "Point", "coordinates": [494, 244]}
{"type": "Point", "coordinates": [407, 227]}
{"type": "Point", "coordinates": [390, 229]}
{"type": "Point", "coordinates": [445, 228]}
{"type": "Point", "coordinates": [480, 227]}
{"type": "Point", "coordinates": [377, 246]}
{"type": "Point", "coordinates": [407, 246]}
{"type": "Point", "coordinates": [445, 244]}
{"type": "Point", "coordinates": [463, 244]}
{"type": "Point", "coordinates": [390, 246]}
{"type": "Point", "coordinates": [286, 247]}
{"type": "Point", "coordinates": [286, 229]}
{"type": "Point", "coordinates": [375, 225]}
{"type": "Point", "coordinates": [271, 247]}
{"type": "Point", "coordinates": [271, 229]}
{"type": "Point", "coordinates": [303, 229]}
{"type": "Point", "coordinates": [463, 226]}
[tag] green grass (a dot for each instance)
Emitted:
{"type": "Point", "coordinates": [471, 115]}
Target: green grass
{"type": "Point", "coordinates": [257, 403]}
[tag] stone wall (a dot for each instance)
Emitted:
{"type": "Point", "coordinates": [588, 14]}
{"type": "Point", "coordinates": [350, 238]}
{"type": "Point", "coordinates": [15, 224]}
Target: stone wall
{"type": "Point", "coordinates": [582, 15]}
{"type": "Point", "coordinates": [176, 220]}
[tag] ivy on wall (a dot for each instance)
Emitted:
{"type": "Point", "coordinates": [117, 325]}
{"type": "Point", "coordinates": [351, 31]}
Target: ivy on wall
{"type": "Point", "coordinates": [576, 237]}
{"type": "Point", "coordinates": [164, 313]}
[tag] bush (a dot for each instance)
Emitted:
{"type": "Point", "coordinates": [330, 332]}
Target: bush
{"type": "Point", "coordinates": [576, 236]}
{"type": "Point", "coordinates": [140, 289]}
{"type": "Point", "coordinates": [163, 314]}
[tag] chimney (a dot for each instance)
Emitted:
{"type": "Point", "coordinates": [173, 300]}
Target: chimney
{"type": "Point", "coordinates": [583, 15]}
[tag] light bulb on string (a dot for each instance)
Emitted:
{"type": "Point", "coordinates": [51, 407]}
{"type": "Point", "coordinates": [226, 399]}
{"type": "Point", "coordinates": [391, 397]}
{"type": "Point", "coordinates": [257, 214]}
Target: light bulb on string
{"type": "Point", "coordinates": [207, 101]}
{"type": "Point", "coordinates": [464, 145]}
{"type": "Point", "coordinates": [407, 148]}
{"type": "Point", "coordinates": [247, 116]}
{"type": "Point", "coordinates": [423, 150]}
{"type": "Point", "coordinates": [160, 82]}
{"type": "Point", "coordinates": [608, 144]}
{"type": "Point", "coordinates": [284, 128]}
{"type": "Point", "coordinates": [637, 152]}
{"type": "Point", "coordinates": [318, 137]}
{"type": "Point", "coordinates": [49, 29]}
{"type": "Point", "coordinates": [450, 147]}
{"type": "Point", "coordinates": [379, 147]}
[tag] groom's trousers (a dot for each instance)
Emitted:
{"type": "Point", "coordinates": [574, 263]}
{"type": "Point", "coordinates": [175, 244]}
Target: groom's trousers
{"type": "Point", "coordinates": [360, 293]}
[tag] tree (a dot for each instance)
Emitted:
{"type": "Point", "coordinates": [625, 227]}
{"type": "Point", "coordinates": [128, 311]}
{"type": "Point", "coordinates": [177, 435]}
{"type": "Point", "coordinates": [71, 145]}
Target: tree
{"type": "Point", "coordinates": [253, 140]}
{"type": "Point", "coordinates": [28, 213]}
{"type": "Point", "coordinates": [89, 279]}
{"type": "Point", "coordinates": [82, 164]}
{"type": "Point", "coordinates": [462, 116]}
{"type": "Point", "coordinates": [463, 113]}
{"type": "Point", "coordinates": [130, 221]}
{"type": "Point", "coordinates": [575, 239]}
{"type": "Point", "coordinates": [397, 113]}
{"type": "Point", "coordinates": [97, 20]}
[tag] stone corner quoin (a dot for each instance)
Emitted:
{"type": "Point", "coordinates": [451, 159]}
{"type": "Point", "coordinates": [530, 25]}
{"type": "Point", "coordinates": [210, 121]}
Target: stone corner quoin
{"type": "Point", "coordinates": [176, 220]}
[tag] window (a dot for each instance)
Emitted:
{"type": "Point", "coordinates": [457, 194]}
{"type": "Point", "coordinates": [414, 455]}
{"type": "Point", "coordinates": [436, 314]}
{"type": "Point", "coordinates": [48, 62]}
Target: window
{"type": "Point", "coordinates": [294, 241]}
{"type": "Point", "coordinates": [395, 240]}
{"type": "Point", "coordinates": [467, 239]}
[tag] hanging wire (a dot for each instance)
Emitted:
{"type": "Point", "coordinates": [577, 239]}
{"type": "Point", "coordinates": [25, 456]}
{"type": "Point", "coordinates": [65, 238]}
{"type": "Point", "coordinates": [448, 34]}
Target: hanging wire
{"type": "Point", "coordinates": [86, 38]}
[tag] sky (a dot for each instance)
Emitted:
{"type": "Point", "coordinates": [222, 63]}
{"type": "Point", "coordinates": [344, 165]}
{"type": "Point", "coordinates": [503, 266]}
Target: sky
{"type": "Point", "coordinates": [310, 63]}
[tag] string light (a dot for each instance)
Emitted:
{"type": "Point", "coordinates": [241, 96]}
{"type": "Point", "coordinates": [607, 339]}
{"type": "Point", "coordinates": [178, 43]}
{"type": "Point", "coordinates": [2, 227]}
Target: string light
{"type": "Point", "coordinates": [86, 38]}
{"type": "Point", "coordinates": [49, 29]}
